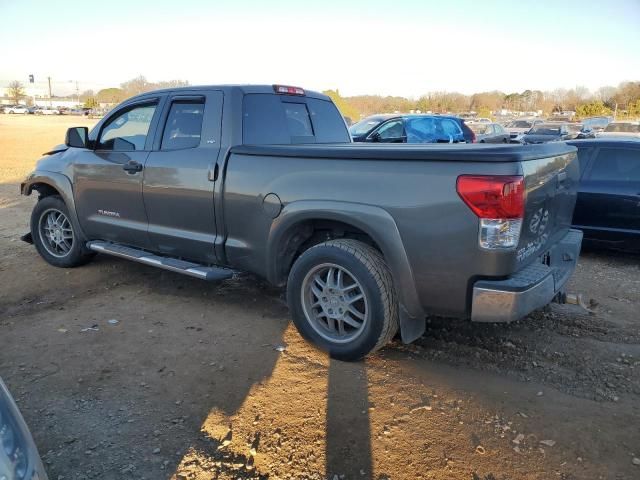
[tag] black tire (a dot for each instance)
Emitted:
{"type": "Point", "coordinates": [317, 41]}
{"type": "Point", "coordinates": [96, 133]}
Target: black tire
{"type": "Point", "coordinates": [366, 266]}
{"type": "Point", "coordinates": [76, 255]}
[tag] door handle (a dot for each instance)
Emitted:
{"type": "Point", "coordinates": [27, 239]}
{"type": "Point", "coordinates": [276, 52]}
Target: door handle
{"type": "Point", "coordinates": [132, 167]}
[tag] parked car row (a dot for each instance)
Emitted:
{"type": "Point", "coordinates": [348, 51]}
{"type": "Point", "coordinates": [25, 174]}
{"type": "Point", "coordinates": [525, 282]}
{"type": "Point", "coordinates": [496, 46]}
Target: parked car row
{"type": "Point", "coordinates": [43, 110]}
{"type": "Point", "coordinates": [428, 128]}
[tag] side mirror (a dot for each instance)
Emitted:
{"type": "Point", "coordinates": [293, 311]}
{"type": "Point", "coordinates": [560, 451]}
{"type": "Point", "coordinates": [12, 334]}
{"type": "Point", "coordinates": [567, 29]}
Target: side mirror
{"type": "Point", "coordinates": [77, 137]}
{"type": "Point", "coordinates": [375, 137]}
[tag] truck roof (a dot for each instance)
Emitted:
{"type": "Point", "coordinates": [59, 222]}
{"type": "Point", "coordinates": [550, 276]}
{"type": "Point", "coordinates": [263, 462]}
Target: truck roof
{"type": "Point", "coordinates": [235, 88]}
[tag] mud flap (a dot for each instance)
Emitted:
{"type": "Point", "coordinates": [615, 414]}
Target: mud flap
{"type": "Point", "coordinates": [411, 328]}
{"type": "Point", "coordinates": [27, 238]}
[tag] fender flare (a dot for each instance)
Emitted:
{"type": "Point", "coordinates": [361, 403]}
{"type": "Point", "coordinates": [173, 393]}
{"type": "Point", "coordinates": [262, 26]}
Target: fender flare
{"type": "Point", "coordinates": [375, 222]}
{"type": "Point", "coordinates": [62, 185]}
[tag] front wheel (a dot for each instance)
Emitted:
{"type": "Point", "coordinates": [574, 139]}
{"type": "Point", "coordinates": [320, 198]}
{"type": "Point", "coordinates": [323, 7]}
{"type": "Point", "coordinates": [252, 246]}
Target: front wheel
{"type": "Point", "coordinates": [54, 236]}
{"type": "Point", "coordinates": [342, 298]}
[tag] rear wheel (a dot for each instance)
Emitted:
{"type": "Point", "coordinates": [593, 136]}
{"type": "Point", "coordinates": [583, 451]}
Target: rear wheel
{"type": "Point", "coordinates": [342, 299]}
{"type": "Point", "coordinates": [54, 236]}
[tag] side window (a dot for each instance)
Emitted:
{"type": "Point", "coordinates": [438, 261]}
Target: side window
{"type": "Point", "coordinates": [616, 164]}
{"type": "Point", "coordinates": [184, 125]}
{"type": "Point", "coordinates": [450, 128]}
{"type": "Point", "coordinates": [499, 129]}
{"type": "Point", "coordinates": [391, 130]}
{"type": "Point", "coordinates": [128, 130]}
{"type": "Point", "coordinates": [420, 130]}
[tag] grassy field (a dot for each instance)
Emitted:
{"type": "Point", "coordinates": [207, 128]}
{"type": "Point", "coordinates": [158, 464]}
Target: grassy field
{"type": "Point", "coordinates": [24, 138]}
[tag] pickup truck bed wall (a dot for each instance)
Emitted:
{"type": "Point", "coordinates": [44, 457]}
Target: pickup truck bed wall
{"type": "Point", "coordinates": [414, 197]}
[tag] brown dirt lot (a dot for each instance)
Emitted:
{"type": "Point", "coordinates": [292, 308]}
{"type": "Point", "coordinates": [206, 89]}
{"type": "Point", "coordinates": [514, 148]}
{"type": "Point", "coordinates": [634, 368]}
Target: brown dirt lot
{"type": "Point", "coordinates": [189, 385]}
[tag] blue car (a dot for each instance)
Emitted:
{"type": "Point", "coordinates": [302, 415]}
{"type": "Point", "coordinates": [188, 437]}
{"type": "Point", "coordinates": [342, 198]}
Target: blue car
{"type": "Point", "coordinates": [416, 128]}
{"type": "Point", "coordinates": [608, 204]}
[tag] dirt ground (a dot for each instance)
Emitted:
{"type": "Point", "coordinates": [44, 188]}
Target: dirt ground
{"type": "Point", "coordinates": [204, 381]}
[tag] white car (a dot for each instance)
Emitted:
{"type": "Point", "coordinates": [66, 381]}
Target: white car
{"type": "Point", "coordinates": [17, 109]}
{"type": "Point", "coordinates": [620, 129]}
{"type": "Point", "coordinates": [47, 111]}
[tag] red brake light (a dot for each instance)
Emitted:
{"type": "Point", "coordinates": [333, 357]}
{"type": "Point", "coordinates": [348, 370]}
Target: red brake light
{"type": "Point", "coordinates": [473, 136]}
{"type": "Point", "coordinates": [285, 90]}
{"type": "Point", "coordinates": [493, 196]}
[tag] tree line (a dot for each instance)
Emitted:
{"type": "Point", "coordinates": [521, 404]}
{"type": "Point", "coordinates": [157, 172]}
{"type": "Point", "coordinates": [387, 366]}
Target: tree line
{"type": "Point", "coordinates": [624, 100]}
{"type": "Point", "coordinates": [127, 89]}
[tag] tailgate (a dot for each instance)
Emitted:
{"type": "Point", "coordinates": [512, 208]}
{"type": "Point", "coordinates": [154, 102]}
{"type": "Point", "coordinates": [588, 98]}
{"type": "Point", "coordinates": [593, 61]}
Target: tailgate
{"type": "Point", "coordinates": [551, 188]}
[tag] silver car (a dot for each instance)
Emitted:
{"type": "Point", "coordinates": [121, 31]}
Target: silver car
{"type": "Point", "coordinates": [19, 459]}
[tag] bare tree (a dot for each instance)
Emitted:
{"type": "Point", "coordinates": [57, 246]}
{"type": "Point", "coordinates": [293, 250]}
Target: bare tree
{"type": "Point", "coordinates": [136, 86]}
{"type": "Point", "coordinates": [16, 91]}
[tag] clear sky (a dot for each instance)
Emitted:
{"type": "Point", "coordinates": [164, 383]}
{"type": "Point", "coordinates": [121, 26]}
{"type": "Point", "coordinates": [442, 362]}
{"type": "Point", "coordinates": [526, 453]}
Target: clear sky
{"type": "Point", "coordinates": [388, 47]}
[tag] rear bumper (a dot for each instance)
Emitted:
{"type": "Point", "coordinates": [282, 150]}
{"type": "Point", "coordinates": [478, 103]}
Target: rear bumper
{"type": "Point", "coordinates": [531, 288]}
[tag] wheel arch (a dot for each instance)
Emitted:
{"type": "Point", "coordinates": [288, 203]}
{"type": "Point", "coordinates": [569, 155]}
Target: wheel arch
{"type": "Point", "coordinates": [52, 183]}
{"type": "Point", "coordinates": [294, 228]}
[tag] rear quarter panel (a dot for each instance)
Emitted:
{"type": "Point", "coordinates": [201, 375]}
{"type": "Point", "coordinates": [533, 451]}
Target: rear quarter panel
{"type": "Point", "coordinates": [439, 232]}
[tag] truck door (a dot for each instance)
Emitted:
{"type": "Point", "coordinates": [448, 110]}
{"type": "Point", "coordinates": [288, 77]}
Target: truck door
{"type": "Point", "coordinates": [178, 177]}
{"type": "Point", "coordinates": [108, 179]}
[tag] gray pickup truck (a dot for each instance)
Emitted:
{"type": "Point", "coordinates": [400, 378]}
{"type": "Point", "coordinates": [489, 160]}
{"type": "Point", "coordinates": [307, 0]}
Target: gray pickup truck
{"type": "Point", "coordinates": [368, 239]}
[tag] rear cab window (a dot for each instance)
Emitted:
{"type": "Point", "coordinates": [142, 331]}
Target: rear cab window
{"type": "Point", "coordinates": [270, 119]}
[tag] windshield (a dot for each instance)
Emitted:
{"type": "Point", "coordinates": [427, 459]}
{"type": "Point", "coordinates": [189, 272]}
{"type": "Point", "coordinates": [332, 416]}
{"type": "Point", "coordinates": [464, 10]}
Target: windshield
{"type": "Point", "coordinates": [365, 126]}
{"type": "Point", "coordinates": [519, 124]}
{"type": "Point", "coordinates": [574, 127]}
{"type": "Point", "coordinates": [545, 130]}
{"type": "Point", "coordinates": [623, 128]}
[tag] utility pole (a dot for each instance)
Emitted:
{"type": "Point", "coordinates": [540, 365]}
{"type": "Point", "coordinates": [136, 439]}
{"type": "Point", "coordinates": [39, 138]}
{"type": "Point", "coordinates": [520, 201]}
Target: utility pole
{"type": "Point", "coordinates": [49, 80]}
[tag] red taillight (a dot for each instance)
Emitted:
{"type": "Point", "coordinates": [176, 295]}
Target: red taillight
{"type": "Point", "coordinates": [473, 136]}
{"type": "Point", "coordinates": [285, 90]}
{"type": "Point", "coordinates": [492, 196]}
